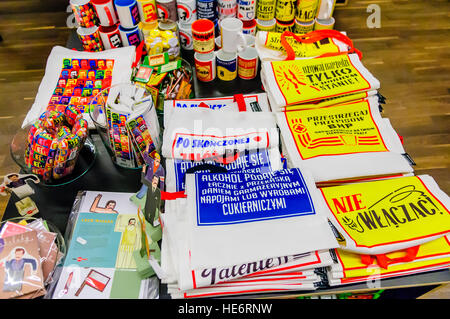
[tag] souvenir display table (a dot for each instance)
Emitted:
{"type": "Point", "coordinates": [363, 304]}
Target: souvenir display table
{"type": "Point", "coordinates": [55, 203]}
{"type": "Point", "coordinates": [214, 154]}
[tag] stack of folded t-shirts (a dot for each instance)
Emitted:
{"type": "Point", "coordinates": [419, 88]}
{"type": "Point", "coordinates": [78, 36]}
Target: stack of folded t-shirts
{"type": "Point", "coordinates": [307, 83]}
{"type": "Point", "coordinates": [231, 140]}
{"type": "Point", "coordinates": [343, 143]}
{"type": "Point", "coordinates": [244, 233]}
{"type": "Point", "coordinates": [256, 102]}
{"type": "Point", "coordinates": [388, 228]}
{"type": "Point", "coordinates": [349, 268]}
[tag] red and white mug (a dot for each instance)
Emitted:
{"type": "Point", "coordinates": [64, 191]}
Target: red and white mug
{"type": "Point", "coordinates": [249, 27]}
{"type": "Point", "coordinates": [205, 66]}
{"type": "Point", "coordinates": [106, 12]}
{"type": "Point", "coordinates": [248, 63]}
{"type": "Point", "coordinates": [203, 35]}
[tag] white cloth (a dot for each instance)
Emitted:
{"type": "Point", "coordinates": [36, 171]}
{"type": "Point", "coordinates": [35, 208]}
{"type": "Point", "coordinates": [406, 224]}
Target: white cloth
{"type": "Point", "coordinates": [243, 290]}
{"type": "Point", "coordinates": [175, 259]}
{"type": "Point", "coordinates": [123, 60]}
{"type": "Point", "coordinates": [371, 278]}
{"type": "Point", "coordinates": [325, 167]}
{"type": "Point", "coordinates": [331, 101]}
{"type": "Point", "coordinates": [263, 161]}
{"type": "Point", "coordinates": [198, 133]}
{"type": "Point", "coordinates": [257, 102]}
{"type": "Point", "coordinates": [232, 238]}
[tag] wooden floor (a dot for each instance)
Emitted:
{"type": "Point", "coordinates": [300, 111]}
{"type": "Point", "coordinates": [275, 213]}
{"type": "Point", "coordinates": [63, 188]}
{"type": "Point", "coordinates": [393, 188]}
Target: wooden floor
{"type": "Point", "coordinates": [409, 54]}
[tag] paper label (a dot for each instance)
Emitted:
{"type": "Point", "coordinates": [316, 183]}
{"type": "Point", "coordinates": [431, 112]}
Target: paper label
{"type": "Point", "coordinates": [149, 12]}
{"type": "Point", "coordinates": [312, 79]}
{"type": "Point", "coordinates": [387, 212]}
{"type": "Point", "coordinates": [216, 103]}
{"type": "Point", "coordinates": [156, 59]}
{"type": "Point", "coordinates": [336, 130]}
{"type": "Point", "coordinates": [245, 197]}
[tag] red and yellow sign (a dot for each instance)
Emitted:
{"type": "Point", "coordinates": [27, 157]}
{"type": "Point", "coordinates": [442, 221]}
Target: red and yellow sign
{"type": "Point", "coordinates": [335, 130]}
{"type": "Point", "coordinates": [386, 212]}
{"type": "Point", "coordinates": [301, 81]}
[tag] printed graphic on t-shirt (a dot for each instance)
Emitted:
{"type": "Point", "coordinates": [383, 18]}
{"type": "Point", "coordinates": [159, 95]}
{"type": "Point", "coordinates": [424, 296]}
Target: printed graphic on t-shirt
{"type": "Point", "coordinates": [336, 130]}
{"type": "Point", "coordinates": [387, 212]}
{"type": "Point", "coordinates": [244, 197]}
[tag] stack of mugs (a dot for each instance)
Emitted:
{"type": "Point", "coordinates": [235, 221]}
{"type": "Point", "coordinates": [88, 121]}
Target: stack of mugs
{"type": "Point", "coordinates": [108, 24]}
{"type": "Point", "coordinates": [236, 55]}
{"type": "Point", "coordinates": [87, 19]}
{"type": "Point", "coordinates": [314, 15]}
{"type": "Point", "coordinates": [299, 16]}
{"type": "Point", "coordinates": [128, 14]}
{"type": "Point", "coordinates": [187, 14]}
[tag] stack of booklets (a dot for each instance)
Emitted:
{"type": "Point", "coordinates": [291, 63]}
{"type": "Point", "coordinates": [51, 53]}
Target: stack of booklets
{"type": "Point", "coordinates": [28, 256]}
{"type": "Point", "coordinates": [103, 233]}
{"type": "Point", "coordinates": [387, 228]}
{"type": "Point", "coordinates": [243, 233]}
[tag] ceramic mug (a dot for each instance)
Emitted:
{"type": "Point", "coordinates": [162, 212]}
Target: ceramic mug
{"type": "Point", "coordinates": [205, 66]}
{"type": "Point", "coordinates": [226, 63]}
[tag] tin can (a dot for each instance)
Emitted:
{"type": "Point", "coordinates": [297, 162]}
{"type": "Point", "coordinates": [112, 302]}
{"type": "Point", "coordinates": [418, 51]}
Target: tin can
{"type": "Point", "coordinates": [284, 26]}
{"type": "Point", "coordinates": [246, 10]}
{"type": "Point", "coordinates": [207, 9]}
{"type": "Point", "coordinates": [303, 28]}
{"type": "Point", "coordinates": [306, 10]}
{"type": "Point", "coordinates": [285, 10]}
{"type": "Point", "coordinates": [266, 25]}
{"type": "Point", "coordinates": [265, 9]}
{"type": "Point", "coordinates": [167, 9]}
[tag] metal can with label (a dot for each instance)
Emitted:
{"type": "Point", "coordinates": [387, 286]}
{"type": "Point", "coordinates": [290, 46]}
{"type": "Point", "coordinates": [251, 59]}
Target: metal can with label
{"type": "Point", "coordinates": [306, 10]}
{"type": "Point", "coordinates": [284, 26]}
{"type": "Point", "coordinates": [265, 9]}
{"type": "Point", "coordinates": [285, 10]}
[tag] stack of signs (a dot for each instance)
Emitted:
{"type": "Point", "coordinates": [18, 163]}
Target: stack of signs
{"type": "Point", "coordinates": [74, 78]}
{"type": "Point", "coordinates": [132, 125]}
{"type": "Point", "coordinates": [28, 255]}
{"type": "Point", "coordinates": [238, 103]}
{"type": "Point", "coordinates": [231, 140]}
{"type": "Point", "coordinates": [343, 142]}
{"type": "Point", "coordinates": [243, 233]}
{"type": "Point", "coordinates": [297, 84]}
{"type": "Point", "coordinates": [104, 232]}
{"type": "Point", "coordinates": [388, 228]}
